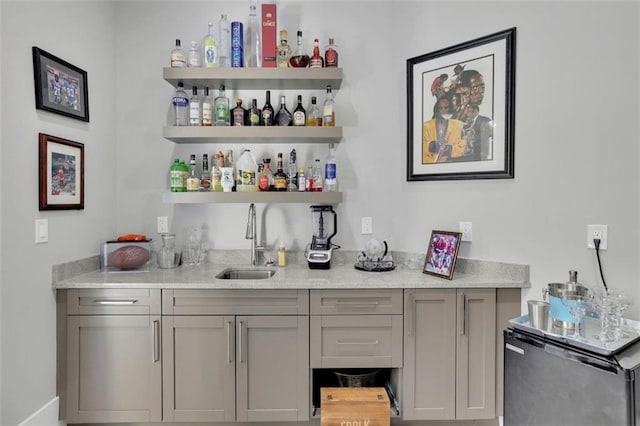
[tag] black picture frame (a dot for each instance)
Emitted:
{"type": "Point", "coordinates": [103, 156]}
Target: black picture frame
{"type": "Point", "coordinates": [473, 136]}
{"type": "Point", "coordinates": [61, 173]}
{"type": "Point", "coordinates": [442, 254]}
{"type": "Point", "coordinates": [60, 87]}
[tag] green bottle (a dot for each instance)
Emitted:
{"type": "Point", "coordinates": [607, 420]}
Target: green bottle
{"type": "Point", "coordinates": [175, 176]}
{"type": "Point", "coordinates": [185, 174]}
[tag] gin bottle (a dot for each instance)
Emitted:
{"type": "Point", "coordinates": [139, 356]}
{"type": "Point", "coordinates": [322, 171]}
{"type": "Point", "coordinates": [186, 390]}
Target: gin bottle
{"type": "Point", "coordinates": [221, 106]}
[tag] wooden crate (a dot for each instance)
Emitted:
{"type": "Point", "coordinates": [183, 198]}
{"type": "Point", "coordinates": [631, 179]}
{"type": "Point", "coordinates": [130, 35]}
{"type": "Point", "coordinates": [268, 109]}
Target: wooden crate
{"type": "Point", "coordinates": [354, 407]}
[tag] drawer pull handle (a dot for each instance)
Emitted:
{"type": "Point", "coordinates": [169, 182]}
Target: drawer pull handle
{"type": "Point", "coordinates": [113, 302]}
{"type": "Point", "coordinates": [156, 341]}
{"type": "Point", "coordinates": [370, 342]}
{"type": "Point", "coordinates": [371, 304]}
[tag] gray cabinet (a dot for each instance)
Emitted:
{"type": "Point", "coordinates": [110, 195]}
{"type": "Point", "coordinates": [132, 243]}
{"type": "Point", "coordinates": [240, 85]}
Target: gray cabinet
{"type": "Point", "coordinates": [224, 367]}
{"type": "Point", "coordinates": [449, 354]}
{"type": "Point", "coordinates": [113, 356]}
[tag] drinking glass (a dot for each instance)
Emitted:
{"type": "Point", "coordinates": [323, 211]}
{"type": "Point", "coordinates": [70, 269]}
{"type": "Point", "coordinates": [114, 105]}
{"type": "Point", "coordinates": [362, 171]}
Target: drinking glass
{"type": "Point", "coordinates": [601, 303]}
{"type": "Point", "coordinates": [577, 307]}
{"type": "Point", "coordinates": [619, 304]}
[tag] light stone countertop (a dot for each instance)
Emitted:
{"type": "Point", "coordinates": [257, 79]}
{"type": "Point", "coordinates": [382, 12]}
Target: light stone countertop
{"type": "Point", "coordinates": [469, 273]}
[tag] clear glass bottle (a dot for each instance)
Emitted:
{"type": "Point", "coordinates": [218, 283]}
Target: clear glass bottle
{"type": "Point", "coordinates": [299, 114]}
{"type": "Point", "coordinates": [302, 180]}
{"type": "Point", "coordinates": [224, 42]}
{"type": "Point", "coordinates": [292, 173]}
{"type": "Point", "coordinates": [193, 180]}
{"type": "Point", "coordinates": [194, 57]}
{"type": "Point", "coordinates": [205, 177]}
{"type": "Point", "coordinates": [279, 177]}
{"type": "Point", "coordinates": [254, 114]}
{"type": "Point", "coordinates": [180, 104]}
{"type": "Point", "coordinates": [207, 108]}
{"type": "Point", "coordinates": [299, 59]}
{"type": "Point", "coordinates": [267, 112]}
{"type": "Point", "coordinates": [331, 54]}
{"type": "Point", "coordinates": [314, 116]}
{"type": "Point", "coordinates": [239, 114]}
{"type": "Point", "coordinates": [178, 58]}
{"type": "Point", "coordinates": [185, 174]}
{"type": "Point", "coordinates": [252, 39]}
{"type": "Point", "coordinates": [331, 171]}
{"type": "Point", "coordinates": [283, 51]}
{"type": "Point", "coordinates": [216, 184]}
{"type": "Point", "coordinates": [316, 60]}
{"type": "Point", "coordinates": [210, 48]}
{"type": "Point", "coordinates": [329, 109]}
{"type": "Point", "coordinates": [283, 117]}
{"type": "Point", "coordinates": [221, 106]}
{"type": "Point", "coordinates": [317, 176]}
{"type": "Point", "coordinates": [195, 108]}
{"type": "Point", "coordinates": [309, 178]}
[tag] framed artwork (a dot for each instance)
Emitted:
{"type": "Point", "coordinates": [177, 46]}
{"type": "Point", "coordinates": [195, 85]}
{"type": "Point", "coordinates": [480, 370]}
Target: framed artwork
{"type": "Point", "coordinates": [461, 109]}
{"type": "Point", "coordinates": [442, 254]}
{"type": "Point", "coordinates": [61, 173]}
{"type": "Point", "coordinates": [60, 87]}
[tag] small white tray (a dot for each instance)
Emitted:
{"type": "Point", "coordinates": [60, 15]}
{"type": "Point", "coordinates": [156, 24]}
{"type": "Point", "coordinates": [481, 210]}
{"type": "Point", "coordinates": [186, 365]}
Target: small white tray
{"type": "Point", "coordinates": [588, 329]}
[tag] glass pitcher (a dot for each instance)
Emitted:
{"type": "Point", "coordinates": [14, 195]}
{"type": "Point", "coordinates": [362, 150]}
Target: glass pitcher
{"type": "Point", "coordinates": [167, 255]}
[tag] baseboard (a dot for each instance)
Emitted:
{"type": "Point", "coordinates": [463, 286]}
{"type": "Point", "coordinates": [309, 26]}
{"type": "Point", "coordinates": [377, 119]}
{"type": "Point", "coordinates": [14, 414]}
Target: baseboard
{"type": "Point", "coordinates": [47, 415]}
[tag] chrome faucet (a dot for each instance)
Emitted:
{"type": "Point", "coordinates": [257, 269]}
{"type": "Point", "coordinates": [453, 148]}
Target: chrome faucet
{"type": "Point", "coordinates": [252, 234]}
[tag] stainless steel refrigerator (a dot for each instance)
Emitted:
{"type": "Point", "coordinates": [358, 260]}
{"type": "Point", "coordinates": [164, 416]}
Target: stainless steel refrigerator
{"type": "Point", "coordinates": [551, 383]}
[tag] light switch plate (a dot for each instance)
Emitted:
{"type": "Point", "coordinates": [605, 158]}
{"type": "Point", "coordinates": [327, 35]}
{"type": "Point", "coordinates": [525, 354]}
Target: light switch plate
{"type": "Point", "coordinates": [467, 231]}
{"type": "Point", "coordinates": [42, 231]}
{"type": "Point", "coordinates": [366, 225]}
{"type": "Point", "coordinates": [163, 225]}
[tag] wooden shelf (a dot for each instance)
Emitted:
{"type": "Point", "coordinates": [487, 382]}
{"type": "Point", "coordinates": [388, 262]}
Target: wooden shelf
{"type": "Point", "coordinates": [258, 134]}
{"type": "Point", "coordinates": [252, 197]}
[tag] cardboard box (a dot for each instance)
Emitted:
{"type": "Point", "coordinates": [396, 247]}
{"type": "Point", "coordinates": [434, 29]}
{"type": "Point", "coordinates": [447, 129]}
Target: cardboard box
{"type": "Point", "coordinates": [354, 407]}
{"type": "Point", "coordinates": [269, 37]}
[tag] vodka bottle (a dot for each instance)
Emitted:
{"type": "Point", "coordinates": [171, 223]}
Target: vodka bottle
{"type": "Point", "coordinates": [299, 59]}
{"type": "Point", "coordinates": [224, 42]}
{"type": "Point", "coordinates": [299, 114]}
{"type": "Point", "coordinates": [283, 117]}
{"type": "Point", "coordinates": [180, 104]}
{"type": "Point", "coordinates": [252, 39]}
{"type": "Point", "coordinates": [221, 106]}
{"type": "Point", "coordinates": [205, 177]}
{"type": "Point", "coordinates": [194, 58]}
{"type": "Point", "coordinates": [210, 45]}
{"type": "Point", "coordinates": [331, 171]}
{"type": "Point", "coordinates": [328, 110]}
{"type": "Point", "coordinates": [331, 54]}
{"type": "Point", "coordinates": [316, 60]}
{"type": "Point", "coordinates": [314, 116]}
{"type": "Point", "coordinates": [283, 50]}
{"type": "Point", "coordinates": [195, 108]}
{"type": "Point", "coordinates": [207, 109]}
{"type": "Point", "coordinates": [193, 180]}
{"type": "Point", "coordinates": [317, 177]}
{"type": "Point", "coordinates": [178, 58]}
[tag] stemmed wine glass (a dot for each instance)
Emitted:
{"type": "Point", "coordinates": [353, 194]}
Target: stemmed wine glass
{"type": "Point", "coordinates": [577, 307]}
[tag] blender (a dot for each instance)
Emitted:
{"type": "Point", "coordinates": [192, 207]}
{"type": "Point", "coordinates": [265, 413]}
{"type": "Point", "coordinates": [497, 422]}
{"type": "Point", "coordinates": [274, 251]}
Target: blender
{"type": "Point", "coordinates": [325, 226]}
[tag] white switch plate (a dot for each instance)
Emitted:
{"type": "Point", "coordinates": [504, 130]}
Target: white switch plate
{"type": "Point", "coordinates": [42, 231]}
{"type": "Point", "coordinates": [366, 225]}
{"type": "Point", "coordinates": [600, 232]}
{"type": "Point", "coordinates": [163, 225]}
{"type": "Point", "coordinates": [467, 231]}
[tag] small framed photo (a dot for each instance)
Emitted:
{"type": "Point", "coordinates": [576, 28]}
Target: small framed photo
{"type": "Point", "coordinates": [61, 173]}
{"type": "Point", "coordinates": [442, 254]}
{"type": "Point", "coordinates": [60, 87]}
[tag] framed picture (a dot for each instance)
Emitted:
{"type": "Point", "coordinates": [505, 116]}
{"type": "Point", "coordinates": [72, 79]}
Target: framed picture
{"type": "Point", "coordinates": [61, 173]}
{"type": "Point", "coordinates": [60, 87]}
{"type": "Point", "coordinates": [442, 253]}
{"type": "Point", "coordinates": [461, 109]}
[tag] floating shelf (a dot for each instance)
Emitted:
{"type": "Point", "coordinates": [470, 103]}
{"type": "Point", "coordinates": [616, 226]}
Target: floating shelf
{"type": "Point", "coordinates": [258, 134]}
{"type": "Point", "coordinates": [252, 197]}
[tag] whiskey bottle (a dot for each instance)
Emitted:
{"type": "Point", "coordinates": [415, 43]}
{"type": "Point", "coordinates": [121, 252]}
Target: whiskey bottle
{"type": "Point", "coordinates": [267, 112]}
{"type": "Point", "coordinates": [314, 116]}
{"type": "Point", "coordinates": [254, 114]}
{"type": "Point", "coordinates": [283, 117]}
{"type": "Point", "coordinates": [178, 58]}
{"type": "Point", "coordinates": [316, 60]}
{"type": "Point", "coordinates": [279, 177]}
{"type": "Point", "coordinates": [299, 59]}
{"type": "Point", "coordinates": [331, 54]}
{"type": "Point", "coordinates": [239, 114]}
{"type": "Point", "coordinates": [328, 110]}
{"type": "Point", "coordinates": [207, 109]}
{"type": "Point", "coordinates": [299, 114]}
{"type": "Point", "coordinates": [283, 51]}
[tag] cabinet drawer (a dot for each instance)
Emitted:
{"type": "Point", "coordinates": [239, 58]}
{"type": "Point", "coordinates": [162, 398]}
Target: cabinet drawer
{"type": "Point", "coordinates": [352, 341]}
{"type": "Point", "coordinates": [86, 301]}
{"type": "Point", "coordinates": [356, 302]}
{"type": "Point", "coordinates": [235, 302]}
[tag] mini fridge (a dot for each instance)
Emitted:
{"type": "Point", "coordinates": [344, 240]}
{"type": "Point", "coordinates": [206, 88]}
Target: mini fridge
{"type": "Point", "coordinates": [548, 382]}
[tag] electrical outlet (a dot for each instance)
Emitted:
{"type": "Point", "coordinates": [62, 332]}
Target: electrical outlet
{"type": "Point", "coordinates": [366, 225]}
{"type": "Point", "coordinates": [600, 232]}
{"type": "Point", "coordinates": [163, 225]}
{"type": "Point", "coordinates": [467, 231]}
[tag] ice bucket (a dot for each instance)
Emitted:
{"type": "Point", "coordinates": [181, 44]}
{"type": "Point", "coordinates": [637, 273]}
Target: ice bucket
{"type": "Point", "coordinates": [559, 313]}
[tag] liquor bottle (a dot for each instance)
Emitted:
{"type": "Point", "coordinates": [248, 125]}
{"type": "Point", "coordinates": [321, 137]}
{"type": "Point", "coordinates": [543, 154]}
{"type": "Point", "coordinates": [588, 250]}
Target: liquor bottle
{"type": "Point", "coordinates": [194, 57]}
{"type": "Point", "coordinates": [268, 184]}
{"type": "Point", "coordinates": [178, 58]}
{"type": "Point", "coordinates": [299, 59]}
{"type": "Point", "coordinates": [328, 110]}
{"type": "Point", "coordinates": [263, 179]}
{"type": "Point", "coordinates": [309, 178]}
{"type": "Point", "coordinates": [299, 114]}
{"type": "Point", "coordinates": [239, 114]}
{"type": "Point", "coordinates": [210, 45]}
{"type": "Point", "coordinates": [185, 174]}
{"type": "Point", "coordinates": [252, 39]}
{"type": "Point", "coordinates": [283, 117]}
{"type": "Point", "coordinates": [316, 60]}
{"type": "Point", "coordinates": [195, 108]}
{"type": "Point", "coordinates": [302, 180]}
{"type": "Point", "coordinates": [205, 177]}
{"type": "Point", "coordinates": [314, 116]}
{"type": "Point", "coordinates": [279, 177]}
{"type": "Point", "coordinates": [254, 114]}
{"type": "Point", "coordinates": [216, 185]}
{"type": "Point", "coordinates": [267, 112]}
{"type": "Point", "coordinates": [292, 173]}
{"type": "Point", "coordinates": [224, 42]}
{"type": "Point", "coordinates": [175, 176]}
{"type": "Point", "coordinates": [207, 108]}
{"type": "Point", "coordinates": [221, 106]}
{"type": "Point", "coordinates": [180, 104]}
{"type": "Point", "coordinates": [317, 177]}
{"type": "Point", "coordinates": [331, 171]}
{"type": "Point", "coordinates": [237, 44]}
{"type": "Point", "coordinates": [283, 51]}
{"type": "Point", "coordinates": [193, 180]}
{"type": "Point", "coordinates": [331, 54]}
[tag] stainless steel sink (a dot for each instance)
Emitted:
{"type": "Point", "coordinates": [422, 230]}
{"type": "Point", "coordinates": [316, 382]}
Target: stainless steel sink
{"type": "Point", "coordinates": [246, 274]}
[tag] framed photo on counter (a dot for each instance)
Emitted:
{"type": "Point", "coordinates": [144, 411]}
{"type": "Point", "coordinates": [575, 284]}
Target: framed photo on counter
{"type": "Point", "coordinates": [61, 173]}
{"type": "Point", "coordinates": [442, 254]}
{"type": "Point", "coordinates": [461, 109]}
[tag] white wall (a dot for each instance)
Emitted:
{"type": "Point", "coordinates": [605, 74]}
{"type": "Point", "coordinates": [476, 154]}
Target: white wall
{"type": "Point", "coordinates": [81, 33]}
{"type": "Point", "coordinates": [570, 72]}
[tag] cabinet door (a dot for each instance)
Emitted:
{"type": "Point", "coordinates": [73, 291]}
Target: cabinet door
{"type": "Point", "coordinates": [114, 369]}
{"type": "Point", "coordinates": [428, 374]}
{"type": "Point", "coordinates": [199, 368]}
{"type": "Point", "coordinates": [272, 368]}
{"type": "Point", "coordinates": [476, 354]}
